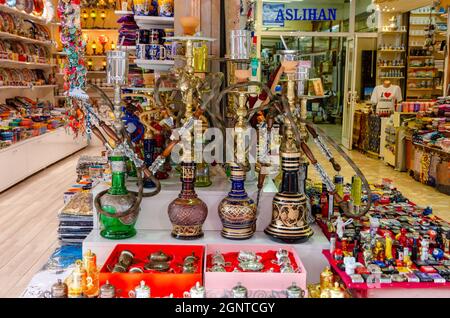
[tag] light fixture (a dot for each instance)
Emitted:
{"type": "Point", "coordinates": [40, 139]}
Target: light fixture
{"type": "Point", "coordinates": [104, 64]}
{"type": "Point", "coordinates": [103, 17]}
{"type": "Point", "coordinates": [90, 63]}
{"type": "Point", "coordinates": [93, 17]}
{"type": "Point", "coordinates": [85, 16]}
{"type": "Point", "coordinates": [113, 46]}
{"type": "Point", "coordinates": [94, 48]}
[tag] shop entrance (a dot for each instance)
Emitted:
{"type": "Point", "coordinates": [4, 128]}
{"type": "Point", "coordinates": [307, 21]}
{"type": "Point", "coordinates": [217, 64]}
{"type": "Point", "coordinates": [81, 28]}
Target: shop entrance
{"type": "Point", "coordinates": [359, 82]}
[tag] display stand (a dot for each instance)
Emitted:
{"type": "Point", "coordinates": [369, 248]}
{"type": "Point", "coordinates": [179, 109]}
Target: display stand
{"type": "Point", "coordinates": [154, 226]}
{"type": "Point", "coordinates": [27, 157]}
{"type": "Point", "coordinates": [392, 290]}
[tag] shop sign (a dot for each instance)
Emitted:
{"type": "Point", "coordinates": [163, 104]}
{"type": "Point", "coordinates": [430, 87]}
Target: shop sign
{"type": "Point", "coordinates": [277, 14]}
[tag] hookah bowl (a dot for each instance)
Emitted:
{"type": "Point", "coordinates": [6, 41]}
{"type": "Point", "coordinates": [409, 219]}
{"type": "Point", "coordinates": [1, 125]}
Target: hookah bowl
{"type": "Point", "coordinates": [289, 208]}
{"type": "Point", "coordinates": [187, 213]}
{"type": "Point", "coordinates": [118, 200]}
{"type": "Point", "coordinates": [237, 211]}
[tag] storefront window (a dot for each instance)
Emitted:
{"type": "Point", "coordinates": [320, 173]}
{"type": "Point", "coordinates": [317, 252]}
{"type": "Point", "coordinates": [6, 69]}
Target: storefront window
{"type": "Point", "coordinates": [306, 16]}
{"type": "Point", "coordinates": [366, 16]}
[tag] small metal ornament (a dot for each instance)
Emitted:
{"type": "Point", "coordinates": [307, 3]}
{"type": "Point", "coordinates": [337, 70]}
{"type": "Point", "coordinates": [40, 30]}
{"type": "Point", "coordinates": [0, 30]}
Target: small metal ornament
{"type": "Point", "coordinates": [118, 268]}
{"type": "Point", "coordinates": [218, 259]}
{"type": "Point", "coordinates": [159, 257]}
{"type": "Point", "coordinates": [294, 291]}
{"type": "Point", "coordinates": [251, 266]}
{"type": "Point", "coordinates": [107, 291]}
{"type": "Point", "coordinates": [157, 266]}
{"type": "Point", "coordinates": [239, 291]}
{"type": "Point", "coordinates": [59, 290]}
{"type": "Point", "coordinates": [141, 291]}
{"type": "Point", "coordinates": [126, 258]}
{"type": "Point", "coordinates": [196, 291]}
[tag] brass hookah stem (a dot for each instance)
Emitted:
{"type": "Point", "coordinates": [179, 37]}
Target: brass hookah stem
{"type": "Point", "coordinates": [240, 126]}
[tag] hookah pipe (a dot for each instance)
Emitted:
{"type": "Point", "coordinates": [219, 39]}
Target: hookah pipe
{"type": "Point", "coordinates": [326, 179]}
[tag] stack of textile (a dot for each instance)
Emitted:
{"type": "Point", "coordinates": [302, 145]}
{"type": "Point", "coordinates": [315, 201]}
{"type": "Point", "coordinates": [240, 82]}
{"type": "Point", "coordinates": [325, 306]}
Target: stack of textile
{"type": "Point", "coordinates": [128, 30]}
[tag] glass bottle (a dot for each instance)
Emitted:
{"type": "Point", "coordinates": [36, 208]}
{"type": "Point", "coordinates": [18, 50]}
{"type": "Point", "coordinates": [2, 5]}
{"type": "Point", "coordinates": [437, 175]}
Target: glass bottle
{"type": "Point", "coordinates": [92, 274]}
{"type": "Point", "coordinates": [76, 282]}
{"type": "Point", "coordinates": [237, 211]}
{"type": "Point", "coordinates": [187, 213]}
{"type": "Point", "coordinates": [118, 200]}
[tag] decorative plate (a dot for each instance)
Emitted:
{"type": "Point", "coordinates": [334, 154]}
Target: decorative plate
{"type": "Point", "coordinates": [29, 6]}
{"type": "Point", "coordinates": [20, 5]}
{"type": "Point", "coordinates": [38, 7]}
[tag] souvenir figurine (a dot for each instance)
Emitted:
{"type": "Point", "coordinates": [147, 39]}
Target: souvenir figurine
{"type": "Point", "coordinates": [141, 291]}
{"type": "Point", "coordinates": [388, 246]}
{"type": "Point", "coordinates": [337, 291]}
{"type": "Point", "coordinates": [76, 282]}
{"type": "Point", "coordinates": [326, 278]}
{"type": "Point", "coordinates": [350, 265]}
{"type": "Point", "coordinates": [374, 225]}
{"type": "Point", "coordinates": [338, 255]}
{"type": "Point", "coordinates": [378, 251]}
{"type": "Point", "coordinates": [438, 254]}
{"type": "Point", "coordinates": [424, 246]}
{"type": "Point", "coordinates": [239, 291]}
{"type": "Point", "coordinates": [367, 254]}
{"type": "Point", "coordinates": [344, 248]}
{"type": "Point", "coordinates": [402, 238]}
{"type": "Point", "coordinates": [196, 292]}
{"type": "Point", "coordinates": [294, 291]}
{"type": "Point", "coordinates": [107, 291]}
{"type": "Point", "coordinates": [58, 290]}
{"type": "Point", "coordinates": [340, 226]}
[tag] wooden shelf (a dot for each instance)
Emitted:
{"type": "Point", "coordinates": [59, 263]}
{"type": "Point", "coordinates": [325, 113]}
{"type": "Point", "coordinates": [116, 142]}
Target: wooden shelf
{"type": "Point", "coordinates": [147, 22]}
{"type": "Point", "coordinates": [392, 77]}
{"type": "Point", "coordinates": [392, 32]}
{"type": "Point", "coordinates": [22, 14]}
{"type": "Point", "coordinates": [422, 67]}
{"type": "Point", "coordinates": [6, 35]}
{"type": "Point", "coordinates": [421, 57]}
{"type": "Point", "coordinates": [17, 64]}
{"type": "Point", "coordinates": [155, 65]}
{"type": "Point", "coordinates": [392, 51]}
{"type": "Point", "coordinates": [420, 78]}
{"type": "Point", "coordinates": [32, 87]}
{"type": "Point", "coordinates": [420, 89]}
{"type": "Point", "coordinates": [122, 13]}
{"type": "Point", "coordinates": [397, 66]}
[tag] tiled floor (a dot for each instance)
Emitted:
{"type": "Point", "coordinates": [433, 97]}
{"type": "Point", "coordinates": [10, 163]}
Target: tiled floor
{"type": "Point", "coordinates": [375, 169]}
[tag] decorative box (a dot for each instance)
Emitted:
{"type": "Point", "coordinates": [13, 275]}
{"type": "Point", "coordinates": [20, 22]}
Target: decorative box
{"type": "Point", "coordinates": [259, 284]}
{"type": "Point", "coordinates": [161, 284]}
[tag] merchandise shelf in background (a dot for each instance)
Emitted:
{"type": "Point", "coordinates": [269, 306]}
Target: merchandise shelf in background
{"type": "Point", "coordinates": [22, 14]}
{"type": "Point", "coordinates": [150, 22]}
{"type": "Point", "coordinates": [6, 35]}
{"type": "Point", "coordinates": [155, 65]}
{"type": "Point", "coordinates": [29, 65]}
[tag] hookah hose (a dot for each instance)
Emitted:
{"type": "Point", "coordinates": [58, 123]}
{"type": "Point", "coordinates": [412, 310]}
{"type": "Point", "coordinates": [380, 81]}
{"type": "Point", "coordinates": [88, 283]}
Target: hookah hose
{"type": "Point", "coordinates": [134, 209]}
{"type": "Point", "coordinates": [314, 161]}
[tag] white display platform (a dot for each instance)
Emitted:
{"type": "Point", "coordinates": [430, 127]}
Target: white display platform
{"type": "Point", "coordinates": [27, 157]}
{"type": "Point", "coordinates": [154, 226]}
{"type": "Point", "coordinates": [153, 215]}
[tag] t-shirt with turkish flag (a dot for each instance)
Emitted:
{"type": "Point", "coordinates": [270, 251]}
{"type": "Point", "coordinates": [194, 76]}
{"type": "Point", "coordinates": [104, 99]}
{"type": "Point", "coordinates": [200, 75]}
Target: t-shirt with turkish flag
{"type": "Point", "coordinates": [386, 97]}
